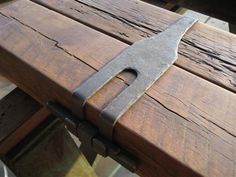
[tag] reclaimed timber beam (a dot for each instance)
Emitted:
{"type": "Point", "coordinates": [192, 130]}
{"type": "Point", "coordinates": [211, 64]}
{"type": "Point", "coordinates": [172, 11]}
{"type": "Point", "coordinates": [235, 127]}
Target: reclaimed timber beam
{"type": "Point", "coordinates": [201, 51]}
{"type": "Point", "coordinates": [183, 126]}
{"type": "Point", "coordinates": [19, 114]}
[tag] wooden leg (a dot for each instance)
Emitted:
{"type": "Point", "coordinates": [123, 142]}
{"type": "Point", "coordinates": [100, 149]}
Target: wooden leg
{"type": "Point", "coordinates": [52, 152]}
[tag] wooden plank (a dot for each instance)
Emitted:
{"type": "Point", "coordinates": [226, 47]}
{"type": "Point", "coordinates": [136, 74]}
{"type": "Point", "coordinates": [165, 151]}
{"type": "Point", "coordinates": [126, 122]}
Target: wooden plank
{"type": "Point", "coordinates": [175, 129]}
{"type": "Point", "coordinates": [19, 114]}
{"type": "Point", "coordinates": [15, 108]}
{"type": "Point", "coordinates": [15, 137]}
{"type": "Point", "coordinates": [201, 51]}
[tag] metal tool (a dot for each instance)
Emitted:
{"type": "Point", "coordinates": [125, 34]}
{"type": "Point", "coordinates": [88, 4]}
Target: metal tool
{"type": "Point", "coordinates": [148, 58]}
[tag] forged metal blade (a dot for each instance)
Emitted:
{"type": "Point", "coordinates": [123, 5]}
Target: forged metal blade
{"type": "Point", "coordinates": [149, 58]}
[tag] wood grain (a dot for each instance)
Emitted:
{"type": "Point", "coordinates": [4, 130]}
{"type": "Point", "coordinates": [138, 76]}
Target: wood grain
{"type": "Point", "coordinates": [183, 126]}
{"type": "Point", "coordinates": [201, 51]}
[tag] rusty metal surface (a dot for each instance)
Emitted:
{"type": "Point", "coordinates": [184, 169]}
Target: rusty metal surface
{"type": "Point", "coordinates": [148, 58]}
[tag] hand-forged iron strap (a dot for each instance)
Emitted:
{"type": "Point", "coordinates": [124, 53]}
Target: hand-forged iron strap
{"type": "Point", "coordinates": [149, 58]}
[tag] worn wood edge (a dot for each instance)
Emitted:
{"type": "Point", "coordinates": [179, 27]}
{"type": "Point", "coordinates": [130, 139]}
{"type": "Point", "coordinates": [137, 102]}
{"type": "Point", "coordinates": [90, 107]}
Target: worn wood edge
{"type": "Point", "coordinates": [26, 118]}
{"type": "Point", "coordinates": [15, 137]}
{"type": "Point", "coordinates": [15, 102]}
{"type": "Point", "coordinates": [146, 167]}
{"type": "Point", "coordinates": [214, 72]}
{"type": "Point", "coordinates": [88, 60]}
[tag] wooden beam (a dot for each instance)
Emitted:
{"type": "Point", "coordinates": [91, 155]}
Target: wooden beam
{"type": "Point", "coordinates": [201, 51]}
{"type": "Point", "coordinates": [19, 114]}
{"type": "Point", "coordinates": [183, 126]}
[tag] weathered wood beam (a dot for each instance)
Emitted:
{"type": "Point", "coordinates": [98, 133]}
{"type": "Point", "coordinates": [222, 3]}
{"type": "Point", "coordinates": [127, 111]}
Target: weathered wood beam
{"type": "Point", "coordinates": [175, 129]}
{"type": "Point", "coordinates": [201, 51]}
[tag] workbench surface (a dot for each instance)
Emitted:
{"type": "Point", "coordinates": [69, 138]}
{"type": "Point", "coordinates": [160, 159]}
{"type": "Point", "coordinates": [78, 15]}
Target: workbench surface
{"type": "Point", "coordinates": [185, 125]}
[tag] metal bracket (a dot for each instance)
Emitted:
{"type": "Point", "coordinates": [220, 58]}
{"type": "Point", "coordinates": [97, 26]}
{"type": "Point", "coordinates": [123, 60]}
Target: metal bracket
{"type": "Point", "coordinates": [91, 140]}
{"type": "Point", "coordinates": [148, 58]}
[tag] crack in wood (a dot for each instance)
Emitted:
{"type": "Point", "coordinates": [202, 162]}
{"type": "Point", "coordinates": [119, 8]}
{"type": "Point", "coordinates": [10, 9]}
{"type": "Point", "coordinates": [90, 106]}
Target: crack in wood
{"type": "Point", "coordinates": [149, 30]}
{"type": "Point", "coordinates": [57, 44]}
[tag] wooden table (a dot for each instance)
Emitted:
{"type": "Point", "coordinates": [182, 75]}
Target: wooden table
{"type": "Point", "coordinates": [185, 125]}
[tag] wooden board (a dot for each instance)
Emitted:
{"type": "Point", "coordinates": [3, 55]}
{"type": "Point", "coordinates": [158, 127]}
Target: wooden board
{"type": "Point", "coordinates": [11, 105]}
{"type": "Point", "coordinates": [183, 126]}
{"type": "Point", "coordinates": [19, 114]}
{"type": "Point", "coordinates": [201, 51]}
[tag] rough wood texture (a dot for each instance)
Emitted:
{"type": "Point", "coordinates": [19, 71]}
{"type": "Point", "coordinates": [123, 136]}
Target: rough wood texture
{"type": "Point", "coordinates": [201, 51]}
{"type": "Point", "coordinates": [19, 114]}
{"type": "Point", "coordinates": [183, 126]}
